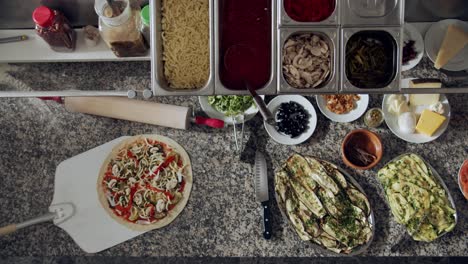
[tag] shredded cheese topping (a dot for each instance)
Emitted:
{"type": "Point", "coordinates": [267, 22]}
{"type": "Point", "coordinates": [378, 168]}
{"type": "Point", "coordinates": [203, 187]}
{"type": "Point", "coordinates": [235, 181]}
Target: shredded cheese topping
{"type": "Point", "coordinates": [144, 181]}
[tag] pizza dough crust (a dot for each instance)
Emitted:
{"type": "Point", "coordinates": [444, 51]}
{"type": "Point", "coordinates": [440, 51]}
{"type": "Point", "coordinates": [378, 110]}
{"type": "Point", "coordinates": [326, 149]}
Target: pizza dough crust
{"type": "Point", "coordinates": [172, 214]}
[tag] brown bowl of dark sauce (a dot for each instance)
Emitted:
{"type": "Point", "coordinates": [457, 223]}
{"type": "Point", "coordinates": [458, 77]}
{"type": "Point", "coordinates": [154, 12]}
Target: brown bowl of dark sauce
{"type": "Point", "coordinates": [362, 149]}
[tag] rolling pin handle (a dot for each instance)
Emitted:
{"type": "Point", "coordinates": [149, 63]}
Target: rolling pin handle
{"type": "Point", "coordinates": [211, 122]}
{"type": "Point", "coordinates": [7, 229]}
{"type": "Point", "coordinates": [57, 99]}
{"type": "Point", "coordinates": [131, 94]}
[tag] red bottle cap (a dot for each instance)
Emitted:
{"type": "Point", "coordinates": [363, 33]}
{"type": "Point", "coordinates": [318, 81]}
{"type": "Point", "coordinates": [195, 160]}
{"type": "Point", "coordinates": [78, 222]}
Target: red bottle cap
{"type": "Point", "coordinates": [43, 16]}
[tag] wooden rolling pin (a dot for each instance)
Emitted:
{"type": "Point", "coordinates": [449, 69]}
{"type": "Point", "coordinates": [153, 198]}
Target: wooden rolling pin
{"type": "Point", "coordinates": [136, 110]}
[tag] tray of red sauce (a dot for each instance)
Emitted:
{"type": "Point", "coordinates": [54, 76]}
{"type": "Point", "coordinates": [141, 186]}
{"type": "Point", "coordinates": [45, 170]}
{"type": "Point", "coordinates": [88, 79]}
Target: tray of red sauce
{"type": "Point", "coordinates": [463, 178]}
{"type": "Point", "coordinates": [245, 46]}
{"type": "Point", "coordinates": [309, 12]}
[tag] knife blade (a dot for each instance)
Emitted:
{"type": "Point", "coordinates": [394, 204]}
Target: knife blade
{"type": "Point", "coordinates": [261, 191]}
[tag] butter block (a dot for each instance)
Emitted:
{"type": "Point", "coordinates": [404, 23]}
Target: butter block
{"type": "Point", "coordinates": [429, 122]}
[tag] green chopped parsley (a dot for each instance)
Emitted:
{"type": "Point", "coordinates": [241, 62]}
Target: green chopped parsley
{"type": "Point", "coordinates": [231, 105]}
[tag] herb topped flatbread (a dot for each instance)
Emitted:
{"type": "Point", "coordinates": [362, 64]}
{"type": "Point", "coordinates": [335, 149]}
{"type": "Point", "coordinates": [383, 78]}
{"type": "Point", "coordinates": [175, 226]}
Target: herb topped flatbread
{"type": "Point", "coordinates": [145, 182]}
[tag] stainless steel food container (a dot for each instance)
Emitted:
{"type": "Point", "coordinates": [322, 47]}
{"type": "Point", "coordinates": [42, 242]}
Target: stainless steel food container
{"type": "Point", "coordinates": [372, 12]}
{"type": "Point", "coordinates": [270, 87]}
{"type": "Point", "coordinates": [285, 20]}
{"type": "Point", "coordinates": [160, 86]}
{"type": "Point", "coordinates": [331, 35]}
{"type": "Point", "coordinates": [394, 85]}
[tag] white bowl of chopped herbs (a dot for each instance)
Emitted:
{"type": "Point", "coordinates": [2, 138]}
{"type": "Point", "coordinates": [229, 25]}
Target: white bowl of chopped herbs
{"type": "Point", "coordinates": [230, 108]}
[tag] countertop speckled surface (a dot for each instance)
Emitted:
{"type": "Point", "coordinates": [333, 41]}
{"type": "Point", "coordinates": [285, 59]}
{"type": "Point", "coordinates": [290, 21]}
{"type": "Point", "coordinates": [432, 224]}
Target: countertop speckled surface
{"type": "Point", "coordinates": [222, 217]}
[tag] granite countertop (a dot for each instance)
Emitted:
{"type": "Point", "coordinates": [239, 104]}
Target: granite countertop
{"type": "Point", "coordinates": [221, 217]}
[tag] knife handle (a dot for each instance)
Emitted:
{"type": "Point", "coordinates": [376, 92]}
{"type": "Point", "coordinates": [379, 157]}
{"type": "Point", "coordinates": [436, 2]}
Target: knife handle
{"type": "Point", "coordinates": [266, 220]}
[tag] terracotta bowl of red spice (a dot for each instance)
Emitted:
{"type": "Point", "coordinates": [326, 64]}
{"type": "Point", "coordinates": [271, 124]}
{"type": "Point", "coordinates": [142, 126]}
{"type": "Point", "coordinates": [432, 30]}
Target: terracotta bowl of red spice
{"type": "Point", "coordinates": [362, 149]}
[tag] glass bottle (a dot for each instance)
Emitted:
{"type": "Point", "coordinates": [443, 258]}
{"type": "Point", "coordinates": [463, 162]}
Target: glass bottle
{"type": "Point", "coordinates": [145, 24]}
{"type": "Point", "coordinates": [121, 32]}
{"type": "Point", "coordinates": [54, 28]}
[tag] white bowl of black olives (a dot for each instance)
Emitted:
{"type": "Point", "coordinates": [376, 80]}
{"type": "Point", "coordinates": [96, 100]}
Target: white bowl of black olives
{"type": "Point", "coordinates": [295, 118]}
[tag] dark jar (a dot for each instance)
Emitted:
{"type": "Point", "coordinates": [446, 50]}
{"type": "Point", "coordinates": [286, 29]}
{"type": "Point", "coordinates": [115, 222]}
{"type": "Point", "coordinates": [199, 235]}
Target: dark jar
{"type": "Point", "coordinates": [54, 28]}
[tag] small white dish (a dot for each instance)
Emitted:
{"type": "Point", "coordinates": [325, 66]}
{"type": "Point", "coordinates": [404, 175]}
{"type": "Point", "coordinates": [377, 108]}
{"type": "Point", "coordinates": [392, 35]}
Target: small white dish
{"type": "Point", "coordinates": [357, 112]}
{"type": "Point", "coordinates": [285, 139]}
{"type": "Point", "coordinates": [213, 113]}
{"type": "Point", "coordinates": [392, 121]}
{"type": "Point", "coordinates": [434, 38]}
{"type": "Point", "coordinates": [410, 32]}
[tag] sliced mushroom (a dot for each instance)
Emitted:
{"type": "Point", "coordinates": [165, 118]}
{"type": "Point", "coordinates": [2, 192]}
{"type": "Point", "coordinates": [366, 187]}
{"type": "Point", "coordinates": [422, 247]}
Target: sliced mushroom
{"type": "Point", "coordinates": [171, 184]}
{"type": "Point", "coordinates": [137, 198]}
{"type": "Point", "coordinates": [323, 46]}
{"type": "Point", "coordinates": [111, 183]}
{"type": "Point", "coordinates": [315, 39]}
{"type": "Point", "coordinates": [294, 72]}
{"type": "Point", "coordinates": [302, 63]}
{"type": "Point", "coordinates": [306, 60]}
{"type": "Point", "coordinates": [289, 43]}
{"type": "Point", "coordinates": [160, 206]}
{"type": "Point", "coordinates": [317, 83]}
{"type": "Point", "coordinates": [115, 170]}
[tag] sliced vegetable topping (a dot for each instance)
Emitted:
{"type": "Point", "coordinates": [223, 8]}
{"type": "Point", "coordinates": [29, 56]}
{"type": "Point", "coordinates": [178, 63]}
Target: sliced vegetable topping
{"type": "Point", "coordinates": [144, 181]}
{"type": "Point", "coordinates": [417, 200]}
{"type": "Point", "coordinates": [322, 205]}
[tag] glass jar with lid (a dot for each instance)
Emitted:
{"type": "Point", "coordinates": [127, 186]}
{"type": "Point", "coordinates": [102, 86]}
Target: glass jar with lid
{"type": "Point", "coordinates": [121, 31]}
{"type": "Point", "coordinates": [54, 28]}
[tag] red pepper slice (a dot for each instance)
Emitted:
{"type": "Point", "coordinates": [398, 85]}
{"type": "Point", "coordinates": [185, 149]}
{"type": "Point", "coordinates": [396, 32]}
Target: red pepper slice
{"type": "Point", "coordinates": [182, 186]}
{"type": "Point", "coordinates": [162, 166]}
{"type": "Point", "coordinates": [151, 213]}
{"type": "Point", "coordinates": [109, 175]}
{"type": "Point", "coordinates": [126, 210]}
{"type": "Point", "coordinates": [130, 155]}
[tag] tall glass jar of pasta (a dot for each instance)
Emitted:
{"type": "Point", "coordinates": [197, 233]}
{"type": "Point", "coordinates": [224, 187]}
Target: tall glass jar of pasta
{"type": "Point", "coordinates": [120, 27]}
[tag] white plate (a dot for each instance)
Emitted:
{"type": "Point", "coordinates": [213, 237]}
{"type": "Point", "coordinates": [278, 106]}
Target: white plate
{"type": "Point", "coordinates": [412, 33]}
{"type": "Point", "coordinates": [433, 40]}
{"type": "Point", "coordinates": [357, 112]}
{"type": "Point", "coordinates": [285, 139]}
{"type": "Point", "coordinates": [213, 113]}
{"type": "Point", "coordinates": [392, 122]}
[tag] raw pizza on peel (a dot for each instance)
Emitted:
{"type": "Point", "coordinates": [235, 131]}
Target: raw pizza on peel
{"type": "Point", "coordinates": [145, 182]}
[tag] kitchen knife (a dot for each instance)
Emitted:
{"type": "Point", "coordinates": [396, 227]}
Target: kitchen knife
{"type": "Point", "coordinates": [136, 110]}
{"type": "Point", "coordinates": [261, 191]}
